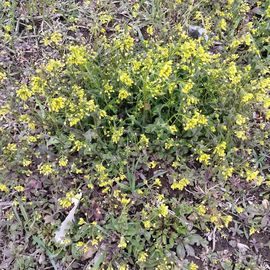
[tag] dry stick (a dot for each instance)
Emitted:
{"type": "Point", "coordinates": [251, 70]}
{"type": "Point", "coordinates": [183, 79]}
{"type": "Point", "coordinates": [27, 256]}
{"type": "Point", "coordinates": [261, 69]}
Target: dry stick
{"type": "Point", "coordinates": [214, 239]}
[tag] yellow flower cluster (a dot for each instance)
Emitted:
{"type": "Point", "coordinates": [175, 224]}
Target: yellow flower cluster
{"type": "Point", "coordinates": [3, 188]}
{"type": "Point", "coordinates": [197, 119]}
{"type": "Point", "coordinates": [144, 141]}
{"type": "Point", "coordinates": [227, 172]}
{"type": "Point", "coordinates": [125, 43]}
{"type": "Point", "coordinates": [10, 148]}
{"type": "Point", "coordinates": [125, 78]}
{"type": "Point", "coordinates": [251, 175]}
{"type": "Point", "coordinates": [201, 210]}
{"type": "Point", "coordinates": [142, 257]}
{"type": "Point", "coordinates": [63, 162]}
{"type": "Point", "coordinates": [77, 55]}
{"type": "Point", "coordinates": [181, 184]}
{"type": "Point", "coordinates": [122, 243]}
{"type": "Point", "coordinates": [187, 87]}
{"type": "Point", "coordinates": [220, 149]}
{"type": "Point", "coordinates": [54, 65]}
{"type": "Point", "coordinates": [163, 210]}
{"type": "Point", "coordinates": [55, 38]}
{"type": "Point", "coordinates": [117, 133]}
{"type": "Point", "coordinates": [24, 93]}
{"type": "Point", "coordinates": [3, 76]}
{"type": "Point", "coordinates": [46, 169]}
{"type": "Point", "coordinates": [79, 106]}
{"type": "Point", "coordinates": [166, 70]}
{"type": "Point", "coordinates": [240, 120]}
{"type": "Point", "coordinates": [123, 94]}
{"type": "Point", "coordinates": [56, 104]}
{"type": "Point", "coordinates": [204, 158]}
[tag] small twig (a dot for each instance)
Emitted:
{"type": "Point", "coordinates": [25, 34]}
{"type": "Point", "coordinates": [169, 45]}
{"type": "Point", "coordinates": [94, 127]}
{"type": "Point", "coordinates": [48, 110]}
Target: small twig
{"type": "Point", "coordinates": [214, 239]}
{"type": "Point", "coordinates": [5, 204]}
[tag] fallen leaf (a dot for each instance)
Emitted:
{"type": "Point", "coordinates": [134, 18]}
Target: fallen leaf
{"type": "Point", "coordinates": [89, 252]}
{"type": "Point", "coordinates": [66, 224]}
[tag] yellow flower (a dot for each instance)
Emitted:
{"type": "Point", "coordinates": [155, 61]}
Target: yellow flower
{"type": "Point", "coordinates": [32, 139]}
{"type": "Point", "coordinates": [144, 140]}
{"type": "Point", "coordinates": [150, 30]}
{"type": "Point", "coordinates": [163, 210]}
{"type": "Point", "coordinates": [77, 56]}
{"type": "Point", "coordinates": [147, 224]}
{"type": "Point", "coordinates": [136, 65]}
{"type": "Point", "coordinates": [123, 267]}
{"type": "Point", "coordinates": [128, 42]}
{"type": "Point", "coordinates": [5, 109]}
{"type": "Point", "coordinates": [157, 182]}
{"type": "Point", "coordinates": [252, 230]}
{"type": "Point", "coordinates": [108, 88]}
{"type": "Point", "coordinates": [166, 70]}
{"type": "Point", "coordinates": [11, 147]}
{"type": "Point", "coordinates": [95, 242]}
{"type": "Point", "coordinates": [204, 158]}
{"type": "Point", "coordinates": [220, 149]}
{"type": "Point", "coordinates": [193, 266]}
{"type": "Point", "coordinates": [19, 188]}
{"type": "Point", "coordinates": [180, 184]}
{"type": "Point", "coordinates": [240, 134]}
{"type": "Point", "coordinates": [100, 168]}
{"type": "Point", "coordinates": [80, 244]}
{"type": "Point", "coordinates": [142, 257]}
{"type": "Point", "coordinates": [173, 129]}
{"type": "Point", "coordinates": [74, 120]}
{"type": "Point", "coordinates": [123, 94]}
{"type": "Point", "coordinates": [213, 218]}
{"type": "Point", "coordinates": [46, 169]}
{"type": "Point", "coordinates": [152, 164]}
{"type": "Point", "coordinates": [81, 221]}
{"type": "Point", "coordinates": [125, 201]}
{"type": "Point", "coordinates": [24, 93]}
{"type": "Point", "coordinates": [56, 38]}
{"type": "Point", "coordinates": [26, 162]}
{"type": "Point", "coordinates": [122, 244]}
{"type": "Point", "coordinates": [38, 84]}
{"type": "Point", "coordinates": [63, 162]}
{"type": "Point", "coordinates": [125, 78]}
{"type": "Point", "coordinates": [251, 175]}
{"type": "Point", "coordinates": [222, 24]}
{"type": "Point", "coordinates": [239, 209]}
{"type": "Point", "coordinates": [7, 4]}
{"type": "Point", "coordinates": [91, 106]}
{"type": "Point", "coordinates": [240, 120]}
{"type": "Point", "coordinates": [247, 97]}
{"type": "Point", "coordinates": [196, 120]}
{"type": "Point", "coordinates": [54, 65]}
{"type": "Point", "coordinates": [56, 104]}
{"type": "Point", "coordinates": [3, 188]}
{"type": "Point", "coordinates": [3, 76]}
{"type": "Point", "coordinates": [201, 209]}
{"type": "Point", "coordinates": [65, 202]}
{"type": "Point", "coordinates": [227, 220]}
{"type": "Point", "coordinates": [169, 144]}
{"type": "Point", "coordinates": [227, 172]}
{"type": "Point", "coordinates": [187, 87]}
{"type": "Point", "coordinates": [117, 133]}
{"type": "Point", "coordinates": [102, 113]}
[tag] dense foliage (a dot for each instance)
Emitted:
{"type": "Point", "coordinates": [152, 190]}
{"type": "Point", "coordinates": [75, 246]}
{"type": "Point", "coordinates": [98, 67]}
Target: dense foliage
{"type": "Point", "coordinates": [154, 133]}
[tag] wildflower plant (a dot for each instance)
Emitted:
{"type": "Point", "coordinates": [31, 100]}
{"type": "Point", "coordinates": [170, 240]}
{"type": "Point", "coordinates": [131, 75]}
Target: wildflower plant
{"type": "Point", "coordinates": [157, 128]}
